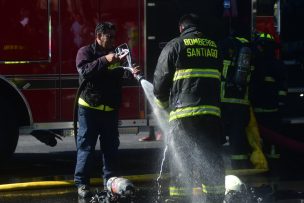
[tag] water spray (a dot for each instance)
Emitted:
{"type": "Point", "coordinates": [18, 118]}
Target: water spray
{"type": "Point", "coordinates": [122, 50]}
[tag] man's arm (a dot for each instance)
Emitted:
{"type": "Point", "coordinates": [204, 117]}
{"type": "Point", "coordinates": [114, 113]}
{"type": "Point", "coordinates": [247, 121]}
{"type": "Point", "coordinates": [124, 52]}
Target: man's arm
{"type": "Point", "coordinates": [87, 67]}
{"type": "Point", "coordinates": [163, 74]}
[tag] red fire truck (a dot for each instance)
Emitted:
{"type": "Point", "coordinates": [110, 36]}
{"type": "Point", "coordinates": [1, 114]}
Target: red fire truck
{"type": "Point", "coordinates": [39, 40]}
{"type": "Point", "coordinates": [38, 78]}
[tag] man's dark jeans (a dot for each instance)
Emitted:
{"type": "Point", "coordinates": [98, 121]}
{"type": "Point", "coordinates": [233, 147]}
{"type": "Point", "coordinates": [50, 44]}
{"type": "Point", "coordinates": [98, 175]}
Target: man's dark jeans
{"type": "Point", "coordinates": [93, 124]}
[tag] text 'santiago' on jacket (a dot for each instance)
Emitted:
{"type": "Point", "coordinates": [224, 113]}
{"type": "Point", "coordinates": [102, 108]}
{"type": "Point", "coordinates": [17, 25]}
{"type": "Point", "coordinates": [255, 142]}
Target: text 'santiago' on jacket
{"type": "Point", "coordinates": [210, 49]}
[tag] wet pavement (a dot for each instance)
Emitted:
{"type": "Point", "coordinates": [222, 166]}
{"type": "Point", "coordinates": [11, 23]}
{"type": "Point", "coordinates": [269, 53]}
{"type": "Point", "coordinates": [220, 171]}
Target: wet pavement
{"type": "Point", "coordinates": [34, 161]}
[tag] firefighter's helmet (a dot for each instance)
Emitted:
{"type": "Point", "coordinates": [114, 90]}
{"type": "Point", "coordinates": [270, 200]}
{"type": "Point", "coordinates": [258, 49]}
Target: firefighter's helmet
{"type": "Point", "coordinates": [265, 39]}
{"type": "Point", "coordinates": [232, 182]}
{"type": "Point", "coordinates": [236, 190]}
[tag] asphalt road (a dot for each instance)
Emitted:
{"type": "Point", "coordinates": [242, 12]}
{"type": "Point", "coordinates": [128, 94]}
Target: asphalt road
{"type": "Point", "coordinates": [34, 161]}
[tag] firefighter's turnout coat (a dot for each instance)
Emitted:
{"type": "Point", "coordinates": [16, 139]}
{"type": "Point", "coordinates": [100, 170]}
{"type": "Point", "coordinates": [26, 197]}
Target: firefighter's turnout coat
{"type": "Point", "coordinates": [187, 79]}
{"type": "Point", "coordinates": [188, 76]}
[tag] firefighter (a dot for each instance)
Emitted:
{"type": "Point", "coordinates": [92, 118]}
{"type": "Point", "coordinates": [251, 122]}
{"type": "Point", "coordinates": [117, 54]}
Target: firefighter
{"type": "Point", "coordinates": [187, 81]}
{"type": "Point", "coordinates": [234, 96]}
{"type": "Point", "coordinates": [100, 75]}
{"type": "Point", "coordinates": [269, 86]}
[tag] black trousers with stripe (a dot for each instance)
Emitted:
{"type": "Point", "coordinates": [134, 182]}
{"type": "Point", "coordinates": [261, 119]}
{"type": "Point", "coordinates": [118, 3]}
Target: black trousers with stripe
{"type": "Point", "coordinates": [195, 155]}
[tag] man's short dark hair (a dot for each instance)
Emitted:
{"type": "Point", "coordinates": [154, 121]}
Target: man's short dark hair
{"type": "Point", "coordinates": [104, 27]}
{"type": "Point", "coordinates": [189, 20]}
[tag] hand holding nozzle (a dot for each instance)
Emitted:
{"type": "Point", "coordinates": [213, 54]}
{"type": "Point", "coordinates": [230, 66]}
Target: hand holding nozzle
{"type": "Point", "coordinates": [123, 51]}
{"type": "Point", "coordinates": [114, 57]}
{"type": "Point", "coordinates": [122, 54]}
{"type": "Point", "coordinates": [136, 71]}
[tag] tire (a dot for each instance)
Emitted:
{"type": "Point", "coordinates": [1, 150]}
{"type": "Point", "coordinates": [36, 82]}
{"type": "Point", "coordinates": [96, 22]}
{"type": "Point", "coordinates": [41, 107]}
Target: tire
{"type": "Point", "coordinates": [9, 131]}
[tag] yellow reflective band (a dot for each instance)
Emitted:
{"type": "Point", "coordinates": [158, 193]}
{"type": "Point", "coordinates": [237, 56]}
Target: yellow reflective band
{"type": "Point", "coordinates": [100, 107]}
{"type": "Point", "coordinates": [239, 157]}
{"type": "Point", "coordinates": [235, 101]}
{"type": "Point", "coordinates": [282, 93]}
{"type": "Point", "coordinates": [269, 79]}
{"type": "Point", "coordinates": [244, 101]}
{"type": "Point", "coordinates": [177, 191]}
{"type": "Point", "coordinates": [197, 191]}
{"type": "Point", "coordinates": [195, 111]}
{"type": "Point", "coordinates": [162, 105]}
{"type": "Point", "coordinates": [267, 36]}
{"type": "Point", "coordinates": [196, 73]}
{"type": "Point", "coordinates": [261, 110]}
{"type": "Point", "coordinates": [217, 189]}
{"type": "Point", "coordinates": [226, 64]}
{"type": "Point", "coordinates": [204, 189]}
{"type": "Point", "coordinates": [15, 62]}
{"type": "Point", "coordinates": [113, 66]}
{"type": "Point", "coordinates": [241, 39]}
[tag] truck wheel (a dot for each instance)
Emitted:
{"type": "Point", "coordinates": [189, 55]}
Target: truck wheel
{"type": "Point", "coordinates": [9, 131]}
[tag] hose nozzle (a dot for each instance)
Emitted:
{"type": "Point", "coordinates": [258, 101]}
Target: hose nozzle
{"type": "Point", "coordinates": [122, 50]}
{"type": "Point", "coordinates": [138, 77]}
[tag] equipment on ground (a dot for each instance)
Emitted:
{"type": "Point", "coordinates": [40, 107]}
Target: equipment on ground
{"type": "Point", "coordinates": [120, 186]}
{"type": "Point", "coordinates": [237, 191]}
{"type": "Point", "coordinates": [119, 190]}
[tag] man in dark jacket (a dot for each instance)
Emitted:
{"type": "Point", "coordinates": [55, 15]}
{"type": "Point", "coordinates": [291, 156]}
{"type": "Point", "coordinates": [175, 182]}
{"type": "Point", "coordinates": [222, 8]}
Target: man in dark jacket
{"type": "Point", "coordinates": [101, 77]}
{"type": "Point", "coordinates": [187, 77]}
{"type": "Point", "coordinates": [235, 95]}
{"type": "Point", "coordinates": [269, 85]}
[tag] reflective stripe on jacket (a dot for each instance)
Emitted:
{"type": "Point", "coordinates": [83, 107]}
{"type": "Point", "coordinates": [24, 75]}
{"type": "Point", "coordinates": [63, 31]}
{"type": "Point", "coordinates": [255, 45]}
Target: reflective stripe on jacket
{"type": "Point", "coordinates": [188, 74]}
{"type": "Point", "coordinates": [103, 83]}
{"type": "Point", "coordinates": [101, 107]}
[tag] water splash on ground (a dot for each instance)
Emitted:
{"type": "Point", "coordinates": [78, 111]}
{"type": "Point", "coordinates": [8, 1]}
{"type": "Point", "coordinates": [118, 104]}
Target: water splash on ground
{"type": "Point", "coordinates": [161, 117]}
